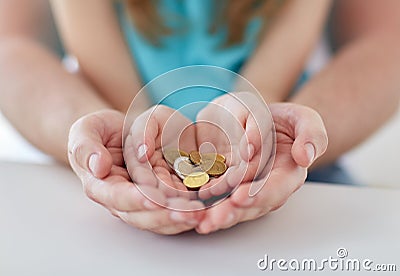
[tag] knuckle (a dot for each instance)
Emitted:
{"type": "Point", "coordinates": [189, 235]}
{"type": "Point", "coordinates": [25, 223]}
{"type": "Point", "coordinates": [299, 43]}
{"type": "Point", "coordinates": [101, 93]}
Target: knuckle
{"type": "Point", "coordinates": [137, 224]}
{"type": "Point", "coordinates": [302, 178]}
{"type": "Point", "coordinates": [171, 231]}
{"type": "Point", "coordinates": [76, 126]}
{"type": "Point", "coordinates": [321, 135]}
{"type": "Point", "coordinates": [263, 211]}
{"type": "Point", "coordinates": [89, 189]}
{"type": "Point", "coordinates": [321, 141]}
{"type": "Point", "coordinates": [277, 206]}
{"type": "Point", "coordinates": [114, 199]}
{"type": "Point", "coordinates": [89, 192]}
{"type": "Point", "coordinates": [75, 152]}
{"type": "Point", "coordinates": [278, 203]}
{"type": "Point", "coordinates": [114, 213]}
{"type": "Point", "coordinates": [156, 223]}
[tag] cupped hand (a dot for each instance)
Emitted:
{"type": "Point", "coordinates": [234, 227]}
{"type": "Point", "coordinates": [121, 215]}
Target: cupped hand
{"type": "Point", "coordinates": [95, 152]}
{"type": "Point", "coordinates": [96, 156]}
{"type": "Point", "coordinates": [300, 139]}
{"type": "Point", "coordinates": [239, 126]}
{"type": "Point", "coordinates": [153, 131]}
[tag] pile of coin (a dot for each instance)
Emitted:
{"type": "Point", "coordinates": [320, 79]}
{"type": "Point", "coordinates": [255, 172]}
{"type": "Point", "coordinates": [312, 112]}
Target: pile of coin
{"type": "Point", "coordinates": [195, 168]}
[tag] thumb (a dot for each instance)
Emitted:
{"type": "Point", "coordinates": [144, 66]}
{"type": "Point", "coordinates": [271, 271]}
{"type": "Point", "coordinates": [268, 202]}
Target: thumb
{"type": "Point", "coordinates": [250, 142]}
{"type": "Point", "coordinates": [86, 151]}
{"type": "Point", "coordinates": [144, 132]}
{"type": "Point", "coordinates": [311, 139]}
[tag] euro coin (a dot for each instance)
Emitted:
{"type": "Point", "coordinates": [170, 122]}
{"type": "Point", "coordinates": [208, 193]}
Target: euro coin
{"type": "Point", "coordinates": [213, 156]}
{"type": "Point", "coordinates": [195, 157]}
{"type": "Point", "coordinates": [196, 180]}
{"type": "Point", "coordinates": [207, 164]}
{"type": "Point", "coordinates": [171, 154]}
{"type": "Point", "coordinates": [217, 169]}
{"type": "Point", "coordinates": [183, 166]}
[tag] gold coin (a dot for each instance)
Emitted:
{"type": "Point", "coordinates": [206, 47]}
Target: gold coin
{"type": "Point", "coordinates": [171, 154]}
{"type": "Point", "coordinates": [217, 169]}
{"type": "Point", "coordinates": [196, 180]}
{"type": "Point", "coordinates": [207, 164]}
{"type": "Point", "coordinates": [195, 157]}
{"type": "Point", "coordinates": [213, 156]}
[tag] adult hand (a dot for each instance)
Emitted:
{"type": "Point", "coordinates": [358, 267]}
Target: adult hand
{"type": "Point", "coordinates": [300, 139]}
{"type": "Point", "coordinates": [95, 154]}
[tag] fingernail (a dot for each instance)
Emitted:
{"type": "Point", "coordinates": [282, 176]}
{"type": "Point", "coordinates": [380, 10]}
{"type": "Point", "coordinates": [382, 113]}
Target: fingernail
{"type": "Point", "coordinates": [232, 177]}
{"type": "Point", "coordinates": [206, 228]}
{"type": "Point", "coordinates": [149, 205]}
{"type": "Point", "coordinates": [142, 150]}
{"type": "Point", "coordinates": [192, 222]}
{"type": "Point", "coordinates": [177, 216]}
{"type": "Point", "coordinates": [229, 219]}
{"type": "Point", "coordinates": [250, 151]}
{"type": "Point", "coordinates": [93, 160]}
{"type": "Point", "coordinates": [249, 201]}
{"type": "Point", "coordinates": [310, 152]}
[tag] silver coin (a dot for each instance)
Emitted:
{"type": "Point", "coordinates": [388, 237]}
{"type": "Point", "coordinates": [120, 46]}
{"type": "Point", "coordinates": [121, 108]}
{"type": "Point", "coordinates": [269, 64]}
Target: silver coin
{"type": "Point", "coordinates": [184, 167]}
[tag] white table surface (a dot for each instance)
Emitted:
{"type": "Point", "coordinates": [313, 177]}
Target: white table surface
{"type": "Point", "coordinates": [48, 227]}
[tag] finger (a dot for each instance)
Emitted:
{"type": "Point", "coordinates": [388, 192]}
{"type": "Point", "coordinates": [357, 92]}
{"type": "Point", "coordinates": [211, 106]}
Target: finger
{"type": "Point", "coordinates": [155, 221]}
{"type": "Point", "coordinates": [311, 139]}
{"type": "Point", "coordinates": [118, 194]}
{"type": "Point", "coordinates": [251, 141]}
{"type": "Point", "coordinates": [187, 215]}
{"type": "Point", "coordinates": [215, 187]}
{"type": "Point", "coordinates": [144, 132]}
{"type": "Point", "coordinates": [310, 135]}
{"type": "Point", "coordinates": [173, 229]}
{"type": "Point", "coordinates": [117, 170]}
{"type": "Point", "coordinates": [211, 125]}
{"type": "Point", "coordinates": [217, 217]}
{"type": "Point", "coordinates": [86, 150]}
{"type": "Point", "coordinates": [117, 155]}
{"type": "Point", "coordinates": [174, 221]}
{"type": "Point", "coordinates": [183, 210]}
{"type": "Point", "coordinates": [167, 184]}
{"type": "Point", "coordinates": [240, 207]}
{"type": "Point", "coordinates": [151, 127]}
{"type": "Point", "coordinates": [277, 189]}
{"type": "Point", "coordinates": [258, 124]}
{"type": "Point", "coordinates": [140, 172]}
{"type": "Point", "coordinates": [136, 198]}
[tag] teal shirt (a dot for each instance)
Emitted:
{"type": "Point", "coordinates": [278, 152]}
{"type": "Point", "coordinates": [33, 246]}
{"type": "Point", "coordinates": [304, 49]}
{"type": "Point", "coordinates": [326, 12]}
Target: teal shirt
{"type": "Point", "coordinates": [194, 45]}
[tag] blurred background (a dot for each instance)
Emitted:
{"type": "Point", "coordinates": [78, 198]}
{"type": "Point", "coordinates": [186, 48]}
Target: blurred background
{"type": "Point", "coordinates": [373, 163]}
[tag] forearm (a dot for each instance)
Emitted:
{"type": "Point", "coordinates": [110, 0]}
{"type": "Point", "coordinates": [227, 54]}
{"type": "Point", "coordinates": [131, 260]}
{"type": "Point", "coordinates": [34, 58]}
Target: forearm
{"type": "Point", "coordinates": [281, 55]}
{"type": "Point", "coordinates": [90, 31]}
{"type": "Point", "coordinates": [39, 97]}
{"type": "Point", "coordinates": [357, 92]}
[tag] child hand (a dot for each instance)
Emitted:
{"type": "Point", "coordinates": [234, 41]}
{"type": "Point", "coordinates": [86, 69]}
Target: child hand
{"type": "Point", "coordinates": [240, 127]}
